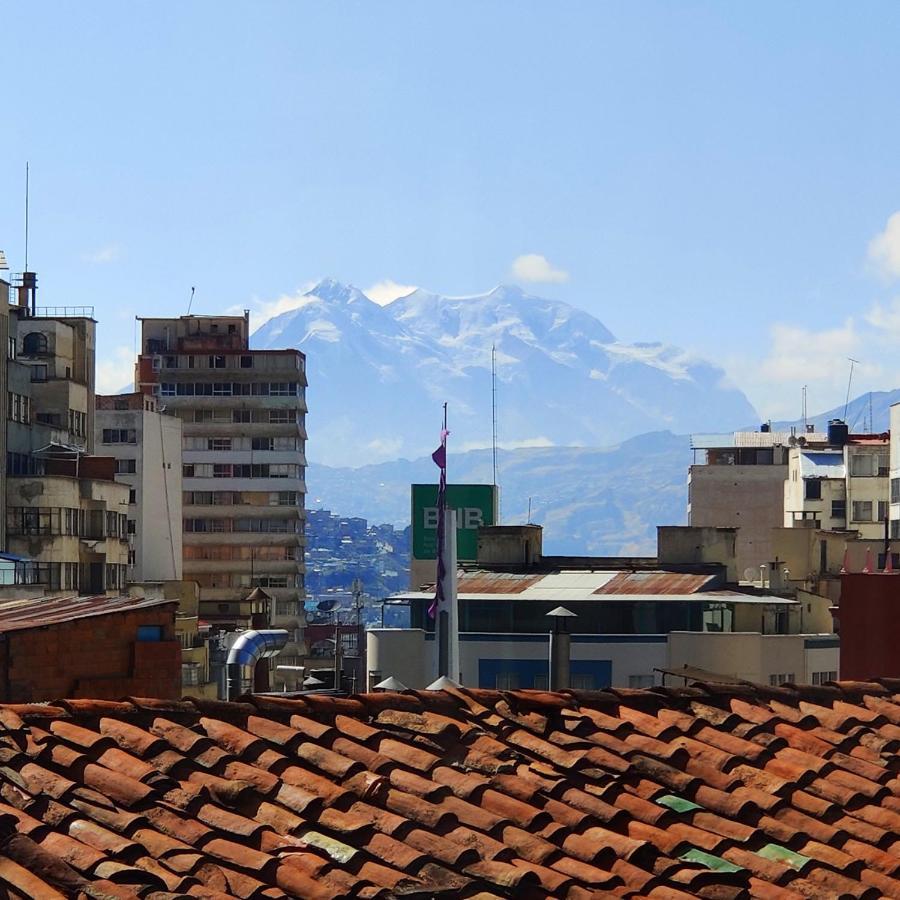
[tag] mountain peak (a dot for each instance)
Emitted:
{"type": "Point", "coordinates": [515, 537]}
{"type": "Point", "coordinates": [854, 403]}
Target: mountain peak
{"type": "Point", "coordinates": [333, 291]}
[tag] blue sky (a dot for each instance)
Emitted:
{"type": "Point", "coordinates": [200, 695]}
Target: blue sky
{"type": "Point", "coordinates": [716, 175]}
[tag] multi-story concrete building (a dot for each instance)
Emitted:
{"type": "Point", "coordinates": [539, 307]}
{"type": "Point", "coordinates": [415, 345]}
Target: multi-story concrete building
{"type": "Point", "coordinates": [243, 413]}
{"type": "Point", "coordinates": [737, 481]}
{"type": "Point", "coordinates": [61, 508]}
{"type": "Point", "coordinates": [841, 488]}
{"type": "Point", "coordinates": [146, 445]}
{"type": "Point", "coordinates": [632, 621]}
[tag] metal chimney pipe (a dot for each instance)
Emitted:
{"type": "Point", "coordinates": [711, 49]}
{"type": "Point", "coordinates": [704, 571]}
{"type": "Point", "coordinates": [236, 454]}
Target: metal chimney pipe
{"type": "Point", "coordinates": [248, 650]}
{"type": "Point", "coordinates": [560, 655]}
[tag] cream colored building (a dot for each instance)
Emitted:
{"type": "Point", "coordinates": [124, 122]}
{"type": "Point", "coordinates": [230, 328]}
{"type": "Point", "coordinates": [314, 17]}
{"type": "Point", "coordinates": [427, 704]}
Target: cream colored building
{"type": "Point", "coordinates": [843, 487]}
{"type": "Point", "coordinates": [146, 444]}
{"type": "Point", "coordinates": [72, 521]}
{"type": "Point", "coordinates": [243, 414]}
{"type": "Point", "coordinates": [737, 481]}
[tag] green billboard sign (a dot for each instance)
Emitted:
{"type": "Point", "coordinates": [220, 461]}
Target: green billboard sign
{"type": "Point", "coordinates": [475, 505]}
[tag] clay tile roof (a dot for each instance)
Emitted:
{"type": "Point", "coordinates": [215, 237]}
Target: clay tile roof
{"type": "Point", "coordinates": [712, 791]}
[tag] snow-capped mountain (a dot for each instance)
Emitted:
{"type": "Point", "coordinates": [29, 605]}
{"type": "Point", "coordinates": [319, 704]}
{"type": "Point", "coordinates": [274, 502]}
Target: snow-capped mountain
{"type": "Point", "coordinates": [379, 374]}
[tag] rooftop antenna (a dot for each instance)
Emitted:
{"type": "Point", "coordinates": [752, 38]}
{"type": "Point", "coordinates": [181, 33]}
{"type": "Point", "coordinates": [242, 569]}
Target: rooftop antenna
{"type": "Point", "coordinates": [805, 424]}
{"type": "Point", "coordinates": [26, 216]}
{"type": "Point", "coordinates": [871, 418]}
{"type": "Point", "coordinates": [191, 300]}
{"type": "Point", "coordinates": [494, 411]}
{"type": "Point", "coordinates": [853, 362]}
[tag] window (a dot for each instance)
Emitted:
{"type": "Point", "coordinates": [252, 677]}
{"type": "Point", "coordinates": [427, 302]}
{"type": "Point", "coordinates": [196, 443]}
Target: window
{"type": "Point", "coordinates": [18, 408]}
{"type": "Point", "coordinates": [823, 677]}
{"type": "Point", "coordinates": [132, 496]}
{"type": "Point", "coordinates": [895, 490]}
{"type": "Point", "coordinates": [126, 467]}
{"type": "Point", "coordinates": [507, 681]}
{"type": "Point", "coordinates": [217, 362]}
{"type": "Point", "coordinates": [246, 362]}
{"type": "Point", "coordinates": [150, 632]}
{"type": "Point", "coordinates": [838, 509]}
{"type": "Point", "coordinates": [782, 678]}
{"type": "Point", "coordinates": [222, 471]}
{"type": "Point", "coordinates": [34, 344]}
{"type": "Point", "coordinates": [155, 363]}
{"type": "Point", "coordinates": [241, 416]}
{"type": "Point", "coordinates": [119, 436]}
{"type": "Point", "coordinates": [288, 417]}
{"type": "Point", "coordinates": [132, 526]}
{"type": "Point", "coordinates": [640, 681]}
{"type": "Point", "coordinates": [39, 373]}
{"type": "Point", "coordinates": [218, 443]}
{"type": "Point", "coordinates": [882, 510]}
{"type": "Point", "coordinates": [190, 674]}
{"type": "Point", "coordinates": [187, 470]}
{"type": "Point", "coordinates": [261, 443]}
{"type": "Point", "coordinates": [862, 510]}
{"type": "Point", "coordinates": [583, 682]}
{"type": "Point", "coordinates": [812, 488]}
{"type": "Point", "coordinates": [868, 465]}
{"type": "Point", "coordinates": [12, 348]}
{"type": "Point", "coordinates": [171, 362]}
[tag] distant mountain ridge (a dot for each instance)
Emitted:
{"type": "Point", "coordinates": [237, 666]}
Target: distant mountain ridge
{"type": "Point", "coordinates": [379, 374]}
{"type": "Point", "coordinates": [591, 501]}
{"type": "Point", "coordinates": [857, 413]}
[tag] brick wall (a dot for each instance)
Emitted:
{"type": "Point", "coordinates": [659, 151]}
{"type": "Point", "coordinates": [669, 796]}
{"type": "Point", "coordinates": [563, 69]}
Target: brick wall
{"type": "Point", "coordinates": [99, 657]}
{"type": "Point", "coordinates": [869, 626]}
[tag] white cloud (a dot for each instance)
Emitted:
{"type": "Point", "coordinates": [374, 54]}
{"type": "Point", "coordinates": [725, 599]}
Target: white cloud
{"type": "Point", "coordinates": [383, 292]}
{"type": "Point", "coordinates": [884, 248]}
{"type": "Point", "coordinates": [799, 356]}
{"type": "Point", "coordinates": [103, 255]}
{"type": "Point", "coordinates": [263, 310]}
{"type": "Point", "coordinates": [115, 370]}
{"type": "Point", "coordinates": [536, 268]}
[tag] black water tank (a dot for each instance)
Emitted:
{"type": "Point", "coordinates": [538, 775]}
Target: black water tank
{"type": "Point", "coordinates": [837, 432]}
{"type": "Point", "coordinates": [765, 428]}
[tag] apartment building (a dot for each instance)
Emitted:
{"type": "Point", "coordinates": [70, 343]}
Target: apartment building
{"type": "Point", "coordinates": [843, 487]}
{"type": "Point", "coordinates": [243, 415]}
{"type": "Point", "coordinates": [737, 481]}
{"type": "Point", "coordinates": [62, 512]}
{"type": "Point", "coordinates": [631, 621]}
{"type": "Point", "coordinates": [146, 445]}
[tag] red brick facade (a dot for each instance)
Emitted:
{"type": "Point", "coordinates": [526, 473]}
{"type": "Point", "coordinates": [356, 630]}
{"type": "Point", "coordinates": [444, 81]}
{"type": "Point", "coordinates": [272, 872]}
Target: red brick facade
{"type": "Point", "coordinates": [869, 616]}
{"type": "Point", "coordinates": [98, 657]}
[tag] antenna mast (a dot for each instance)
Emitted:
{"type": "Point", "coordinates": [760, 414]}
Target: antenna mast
{"type": "Point", "coordinates": [190, 302]}
{"type": "Point", "coordinates": [494, 410]}
{"type": "Point", "coordinates": [26, 216]}
{"type": "Point", "coordinates": [805, 425]}
{"type": "Point", "coordinates": [853, 362]}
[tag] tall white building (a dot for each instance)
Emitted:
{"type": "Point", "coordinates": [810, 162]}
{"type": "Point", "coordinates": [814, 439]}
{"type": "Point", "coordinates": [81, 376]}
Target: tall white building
{"type": "Point", "coordinates": [146, 444]}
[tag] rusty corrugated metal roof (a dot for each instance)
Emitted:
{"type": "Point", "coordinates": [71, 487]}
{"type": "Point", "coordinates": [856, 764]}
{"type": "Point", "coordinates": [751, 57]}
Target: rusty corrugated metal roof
{"type": "Point", "coordinates": [656, 583]}
{"type": "Point", "coordinates": [496, 582]}
{"type": "Point", "coordinates": [20, 615]}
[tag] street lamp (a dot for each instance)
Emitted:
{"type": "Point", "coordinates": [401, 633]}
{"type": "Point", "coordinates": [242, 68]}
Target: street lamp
{"type": "Point", "coordinates": [560, 648]}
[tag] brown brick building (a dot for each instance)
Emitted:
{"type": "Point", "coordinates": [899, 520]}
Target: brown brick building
{"type": "Point", "coordinates": [102, 647]}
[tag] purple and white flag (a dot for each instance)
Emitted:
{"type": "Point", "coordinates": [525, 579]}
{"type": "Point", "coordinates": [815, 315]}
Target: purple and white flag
{"type": "Point", "coordinates": [440, 460]}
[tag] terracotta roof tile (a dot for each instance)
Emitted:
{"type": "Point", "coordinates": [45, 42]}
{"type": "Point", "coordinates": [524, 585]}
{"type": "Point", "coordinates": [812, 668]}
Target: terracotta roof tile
{"type": "Point", "coordinates": [713, 791]}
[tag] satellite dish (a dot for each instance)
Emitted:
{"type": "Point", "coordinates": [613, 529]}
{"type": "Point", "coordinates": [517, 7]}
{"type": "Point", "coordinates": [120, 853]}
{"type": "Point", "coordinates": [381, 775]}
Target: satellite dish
{"type": "Point", "coordinates": [327, 605]}
{"type": "Point", "coordinates": [792, 441]}
{"type": "Point", "coordinates": [751, 574]}
{"type": "Point", "coordinates": [801, 440]}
